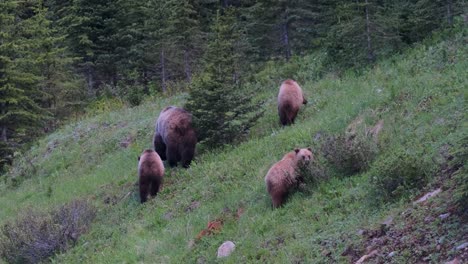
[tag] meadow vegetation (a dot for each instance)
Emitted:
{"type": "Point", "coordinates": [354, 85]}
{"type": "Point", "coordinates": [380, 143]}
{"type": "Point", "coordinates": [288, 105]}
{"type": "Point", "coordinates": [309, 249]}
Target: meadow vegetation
{"type": "Point", "coordinates": [419, 94]}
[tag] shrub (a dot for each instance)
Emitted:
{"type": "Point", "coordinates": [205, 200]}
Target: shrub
{"type": "Point", "coordinates": [460, 176]}
{"type": "Point", "coordinates": [311, 175]}
{"type": "Point", "coordinates": [350, 155]}
{"type": "Point", "coordinates": [398, 172]}
{"type": "Point", "coordinates": [37, 236]}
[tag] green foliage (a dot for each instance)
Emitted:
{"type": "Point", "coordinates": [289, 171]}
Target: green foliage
{"type": "Point", "coordinates": [222, 110]}
{"type": "Point", "coordinates": [401, 170]}
{"type": "Point", "coordinates": [420, 94]}
{"type": "Point", "coordinates": [104, 105]}
{"type": "Point", "coordinates": [460, 178]}
{"type": "Point", "coordinates": [312, 175]}
{"type": "Point", "coordinates": [37, 236]}
{"type": "Point", "coordinates": [350, 155]}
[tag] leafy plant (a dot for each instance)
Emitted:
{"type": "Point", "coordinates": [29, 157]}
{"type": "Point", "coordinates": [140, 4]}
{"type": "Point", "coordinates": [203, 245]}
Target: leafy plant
{"type": "Point", "coordinates": [350, 154]}
{"type": "Point", "coordinates": [399, 171]}
{"type": "Point", "coordinates": [37, 235]}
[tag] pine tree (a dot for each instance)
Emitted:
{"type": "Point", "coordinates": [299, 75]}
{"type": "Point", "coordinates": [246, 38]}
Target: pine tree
{"type": "Point", "coordinates": [363, 31]}
{"type": "Point", "coordinates": [23, 33]}
{"type": "Point", "coordinates": [222, 110]}
{"type": "Point", "coordinates": [282, 28]}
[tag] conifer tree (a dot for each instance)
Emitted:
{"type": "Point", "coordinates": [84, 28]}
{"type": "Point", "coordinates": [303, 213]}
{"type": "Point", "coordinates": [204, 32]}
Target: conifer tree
{"type": "Point", "coordinates": [23, 33]}
{"type": "Point", "coordinates": [222, 110]}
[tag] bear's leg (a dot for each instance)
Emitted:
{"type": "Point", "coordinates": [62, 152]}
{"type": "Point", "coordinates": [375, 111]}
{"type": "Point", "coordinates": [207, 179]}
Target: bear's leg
{"type": "Point", "coordinates": [278, 198]}
{"type": "Point", "coordinates": [283, 120]}
{"type": "Point", "coordinates": [172, 155]}
{"type": "Point", "coordinates": [155, 185]}
{"type": "Point", "coordinates": [159, 146]}
{"type": "Point", "coordinates": [187, 156]}
{"type": "Point", "coordinates": [292, 116]}
{"type": "Point", "coordinates": [144, 191]}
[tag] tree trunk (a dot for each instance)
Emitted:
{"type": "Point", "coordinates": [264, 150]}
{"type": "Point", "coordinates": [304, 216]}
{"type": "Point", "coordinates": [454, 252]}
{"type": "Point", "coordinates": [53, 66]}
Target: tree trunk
{"type": "Point", "coordinates": [187, 69]}
{"type": "Point", "coordinates": [90, 80]}
{"type": "Point", "coordinates": [145, 82]}
{"type": "Point", "coordinates": [450, 12]}
{"type": "Point", "coordinates": [3, 128]}
{"type": "Point", "coordinates": [163, 71]}
{"type": "Point", "coordinates": [285, 37]}
{"type": "Point", "coordinates": [370, 52]}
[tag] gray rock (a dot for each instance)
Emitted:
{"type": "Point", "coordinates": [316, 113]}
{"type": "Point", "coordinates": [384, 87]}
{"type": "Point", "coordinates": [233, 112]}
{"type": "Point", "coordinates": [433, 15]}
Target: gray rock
{"type": "Point", "coordinates": [427, 196]}
{"type": "Point", "coordinates": [444, 216]}
{"type": "Point", "coordinates": [462, 246]}
{"type": "Point", "coordinates": [391, 254]}
{"type": "Point", "coordinates": [226, 249]}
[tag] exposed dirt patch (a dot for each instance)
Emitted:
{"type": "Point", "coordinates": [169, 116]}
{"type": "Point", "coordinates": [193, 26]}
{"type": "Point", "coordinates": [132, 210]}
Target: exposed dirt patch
{"type": "Point", "coordinates": [429, 231]}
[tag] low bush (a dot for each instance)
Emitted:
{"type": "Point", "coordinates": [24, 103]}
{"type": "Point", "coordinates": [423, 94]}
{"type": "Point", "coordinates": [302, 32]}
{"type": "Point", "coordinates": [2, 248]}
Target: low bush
{"type": "Point", "coordinates": [460, 176]}
{"type": "Point", "coordinates": [350, 155]}
{"type": "Point", "coordinates": [311, 175]}
{"type": "Point", "coordinates": [399, 171]}
{"type": "Point", "coordinates": [37, 236]}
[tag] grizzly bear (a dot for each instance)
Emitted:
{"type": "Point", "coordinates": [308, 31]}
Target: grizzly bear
{"type": "Point", "coordinates": [175, 137]}
{"type": "Point", "coordinates": [290, 98]}
{"type": "Point", "coordinates": [282, 176]}
{"type": "Point", "coordinates": [150, 173]}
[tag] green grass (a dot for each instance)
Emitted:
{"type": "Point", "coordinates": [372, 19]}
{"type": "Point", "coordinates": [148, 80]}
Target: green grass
{"type": "Point", "coordinates": [420, 95]}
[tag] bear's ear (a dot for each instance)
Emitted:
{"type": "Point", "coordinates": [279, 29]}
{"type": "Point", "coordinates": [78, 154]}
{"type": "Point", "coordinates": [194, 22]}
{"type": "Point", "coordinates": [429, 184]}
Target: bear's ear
{"type": "Point", "coordinates": [296, 150]}
{"type": "Point", "coordinates": [309, 149]}
{"type": "Point", "coordinates": [138, 158]}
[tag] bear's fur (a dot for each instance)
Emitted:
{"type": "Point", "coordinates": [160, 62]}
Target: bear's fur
{"type": "Point", "coordinates": [150, 174]}
{"type": "Point", "coordinates": [290, 98]}
{"type": "Point", "coordinates": [282, 176]}
{"type": "Point", "coordinates": [175, 137]}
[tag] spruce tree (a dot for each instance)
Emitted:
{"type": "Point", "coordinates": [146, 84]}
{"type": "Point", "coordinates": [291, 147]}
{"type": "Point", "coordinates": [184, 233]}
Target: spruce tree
{"type": "Point", "coordinates": [23, 33]}
{"type": "Point", "coordinates": [223, 112]}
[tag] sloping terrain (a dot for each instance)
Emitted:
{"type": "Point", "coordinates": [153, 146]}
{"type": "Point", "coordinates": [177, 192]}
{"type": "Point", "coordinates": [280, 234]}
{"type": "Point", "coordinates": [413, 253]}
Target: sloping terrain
{"type": "Point", "coordinates": [420, 95]}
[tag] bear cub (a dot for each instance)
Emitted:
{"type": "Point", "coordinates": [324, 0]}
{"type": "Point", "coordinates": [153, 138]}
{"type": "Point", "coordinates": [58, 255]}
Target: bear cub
{"type": "Point", "coordinates": [290, 98]}
{"type": "Point", "coordinates": [282, 176]}
{"type": "Point", "coordinates": [150, 174]}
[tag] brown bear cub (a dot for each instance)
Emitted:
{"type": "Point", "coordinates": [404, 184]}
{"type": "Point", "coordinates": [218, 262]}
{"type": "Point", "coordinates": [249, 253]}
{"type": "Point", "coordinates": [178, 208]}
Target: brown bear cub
{"type": "Point", "coordinates": [290, 98]}
{"type": "Point", "coordinates": [282, 176]}
{"type": "Point", "coordinates": [150, 173]}
{"type": "Point", "coordinates": [175, 137]}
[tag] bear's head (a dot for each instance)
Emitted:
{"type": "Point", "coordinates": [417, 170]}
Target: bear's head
{"type": "Point", "coordinates": [304, 155]}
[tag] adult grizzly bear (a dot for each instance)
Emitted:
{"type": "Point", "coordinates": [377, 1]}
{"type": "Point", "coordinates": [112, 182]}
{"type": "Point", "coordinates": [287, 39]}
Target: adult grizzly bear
{"type": "Point", "coordinates": [290, 98]}
{"type": "Point", "coordinates": [175, 138]}
{"type": "Point", "coordinates": [150, 174]}
{"type": "Point", "coordinates": [282, 176]}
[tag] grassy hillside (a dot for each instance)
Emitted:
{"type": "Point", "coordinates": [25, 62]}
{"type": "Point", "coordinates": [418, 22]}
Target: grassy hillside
{"type": "Point", "coordinates": [420, 95]}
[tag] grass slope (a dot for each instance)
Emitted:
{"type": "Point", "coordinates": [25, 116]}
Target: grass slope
{"type": "Point", "coordinates": [420, 95]}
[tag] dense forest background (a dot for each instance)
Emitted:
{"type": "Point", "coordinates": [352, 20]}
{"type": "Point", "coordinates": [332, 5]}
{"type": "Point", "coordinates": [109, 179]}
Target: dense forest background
{"type": "Point", "coordinates": [60, 58]}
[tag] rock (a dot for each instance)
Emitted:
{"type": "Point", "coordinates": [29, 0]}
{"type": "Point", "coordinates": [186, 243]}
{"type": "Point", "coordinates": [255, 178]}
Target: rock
{"type": "Point", "coordinates": [444, 216]}
{"type": "Point", "coordinates": [427, 196]}
{"type": "Point", "coordinates": [462, 246]}
{"type": "Point", "coordinates": [454, 261]}
{"type": "Point", "coordinates": [361, 232]}
{"type": "Point", "coordinates": [366, 257]}
{"type": "Point", "coordinates": [226, 249]}
{"type": "Point", "coordinates": [391, 254]}
{"type": "Point", "coordinates": [191, 244]}
{"type": "Point", "coordinates": [388, 221]}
